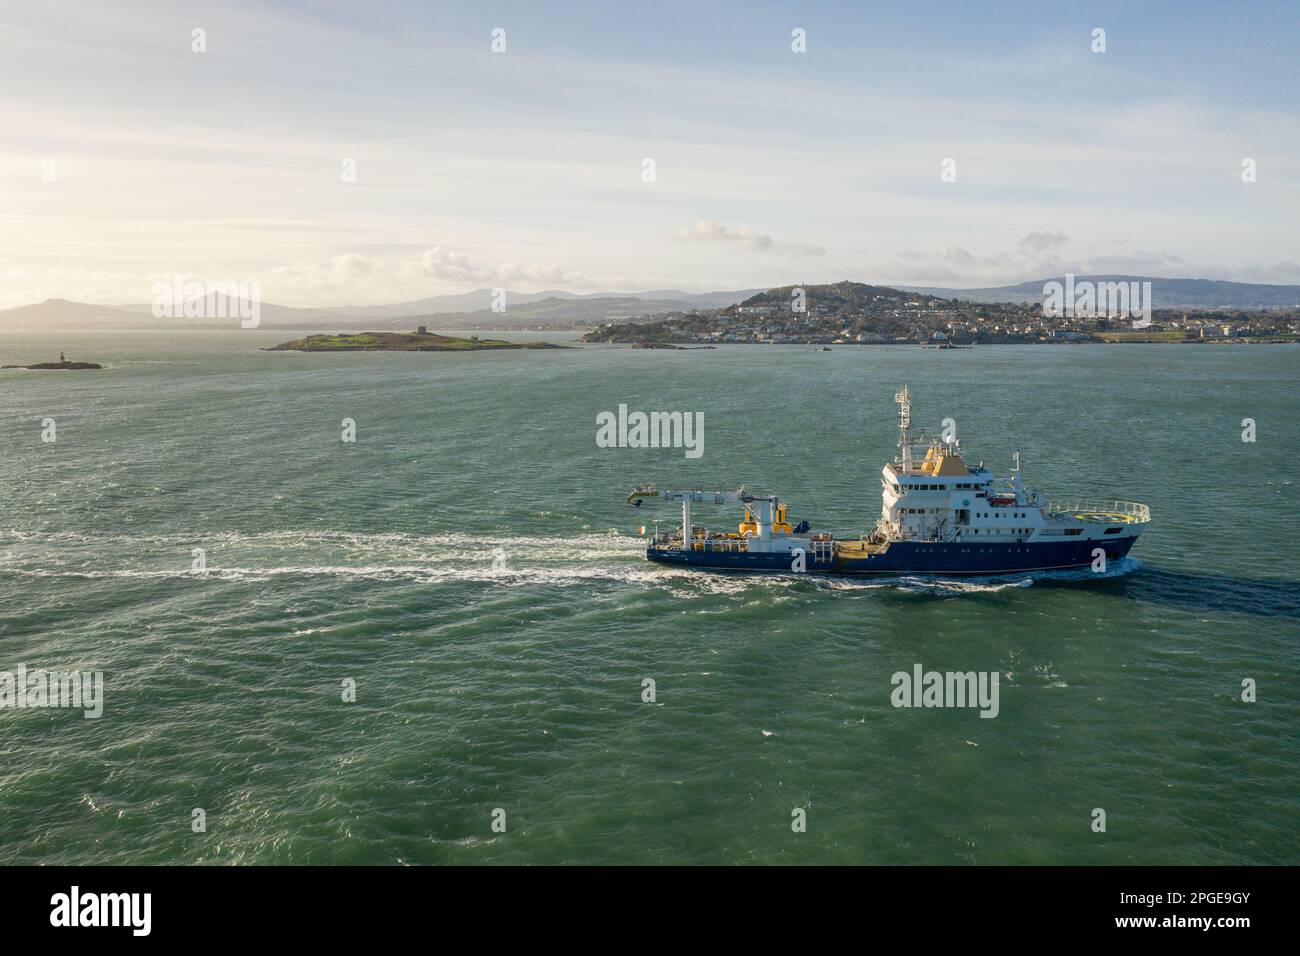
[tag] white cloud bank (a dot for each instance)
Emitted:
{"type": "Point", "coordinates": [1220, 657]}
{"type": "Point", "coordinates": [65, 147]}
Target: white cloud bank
{"type": "Point", "coordinates": [347, 279]}
{"type": "Point", "coordinates": [1043, 254]}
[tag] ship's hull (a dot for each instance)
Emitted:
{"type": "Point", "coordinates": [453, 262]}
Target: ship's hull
{"type": "Point", "coordinates": [909, 558]}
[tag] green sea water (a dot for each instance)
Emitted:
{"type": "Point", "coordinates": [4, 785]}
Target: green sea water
{"type": "Point", "coordinates": [520, 687]}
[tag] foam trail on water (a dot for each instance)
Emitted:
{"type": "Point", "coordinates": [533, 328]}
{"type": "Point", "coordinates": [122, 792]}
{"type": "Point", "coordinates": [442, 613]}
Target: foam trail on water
{"type": "Point", "coordinates": [446, 557]}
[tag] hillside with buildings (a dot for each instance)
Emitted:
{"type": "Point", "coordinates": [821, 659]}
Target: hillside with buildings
{"type": "Point", "coordinates": [845, 313]}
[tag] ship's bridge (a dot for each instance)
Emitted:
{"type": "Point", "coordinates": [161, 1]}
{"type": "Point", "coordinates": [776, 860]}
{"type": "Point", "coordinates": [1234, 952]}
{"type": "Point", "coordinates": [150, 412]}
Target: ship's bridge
{"type": "Point", "coordinates": [943, 463]}
{"type": "Point", "coordinates": [933, 460]}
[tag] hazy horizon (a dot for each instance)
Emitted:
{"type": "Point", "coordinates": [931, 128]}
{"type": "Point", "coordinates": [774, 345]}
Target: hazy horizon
{"type": "Point", "coordinates": [659, 293]}
{"type": "Point", "coordinates": [131, 157]}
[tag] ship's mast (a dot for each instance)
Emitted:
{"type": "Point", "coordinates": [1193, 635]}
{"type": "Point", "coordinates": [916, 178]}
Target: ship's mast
{"type": "Point", "coordinates": [904, 399]}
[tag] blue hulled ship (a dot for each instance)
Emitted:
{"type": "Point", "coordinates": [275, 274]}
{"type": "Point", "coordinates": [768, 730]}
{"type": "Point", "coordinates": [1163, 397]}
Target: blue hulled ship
{"type": "Point", "coordinates": [938, 516]}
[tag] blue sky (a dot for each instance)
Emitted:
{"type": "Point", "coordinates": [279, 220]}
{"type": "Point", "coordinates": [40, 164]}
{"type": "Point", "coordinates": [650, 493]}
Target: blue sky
{"type": "Point", "coordinates": [523, 169]}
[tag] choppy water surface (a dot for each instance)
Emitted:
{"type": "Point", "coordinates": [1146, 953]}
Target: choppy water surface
{"type": "Point", "coordinates": [520, 687]}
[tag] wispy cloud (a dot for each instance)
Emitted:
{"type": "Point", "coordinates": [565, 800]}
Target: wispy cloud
{"type": "Point", "coordinates": [704, 231]}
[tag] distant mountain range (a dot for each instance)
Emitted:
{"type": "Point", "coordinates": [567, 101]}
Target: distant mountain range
{"type": "Point", "coordinates": [65, 314]}
{"type": "Point", "coordinates": [1165, 293]}
{"type": "Point", "coordinates": [481, 300]}
{"type": "Point", "coordinates": [465, 310]}
{"type": "Point", "coordinates": [557, 308]}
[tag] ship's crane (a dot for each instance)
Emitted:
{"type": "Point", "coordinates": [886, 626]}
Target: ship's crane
{"type": "Point", "coordinates": [763, 507]}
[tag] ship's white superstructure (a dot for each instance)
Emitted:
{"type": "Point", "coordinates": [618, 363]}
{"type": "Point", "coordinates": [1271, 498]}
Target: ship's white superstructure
{"type": "Point", "coordinates": [929, 493]}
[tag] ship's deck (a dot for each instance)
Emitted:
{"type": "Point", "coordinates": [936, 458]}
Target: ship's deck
{"type": "Point", "coordinates": [1103, 517]}
{"type": "Point", "coordinates": [1099, 512]}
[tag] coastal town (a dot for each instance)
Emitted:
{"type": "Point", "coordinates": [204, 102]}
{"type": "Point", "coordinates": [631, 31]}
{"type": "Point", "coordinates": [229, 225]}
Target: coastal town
{"type": "Point", "coordinates": [851, 313]}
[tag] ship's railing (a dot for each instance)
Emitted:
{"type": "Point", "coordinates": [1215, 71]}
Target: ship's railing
{"type": "Point", "coordinates": [674, 542]}
{"type": "Point", "coordinates": [1099, 509]}
{"type": "Point", "coordinates": [928, 536]}
{"type": "Point", "coordinates": [721, 544]}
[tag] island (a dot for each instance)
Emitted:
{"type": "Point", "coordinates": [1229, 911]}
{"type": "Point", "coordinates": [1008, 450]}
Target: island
{"type": "Point", "coordinates": [417, 341]}
{"type": "Point", "coordinates": [61, 364]}
{"type": "Point", "coordinates": [664, 345]}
